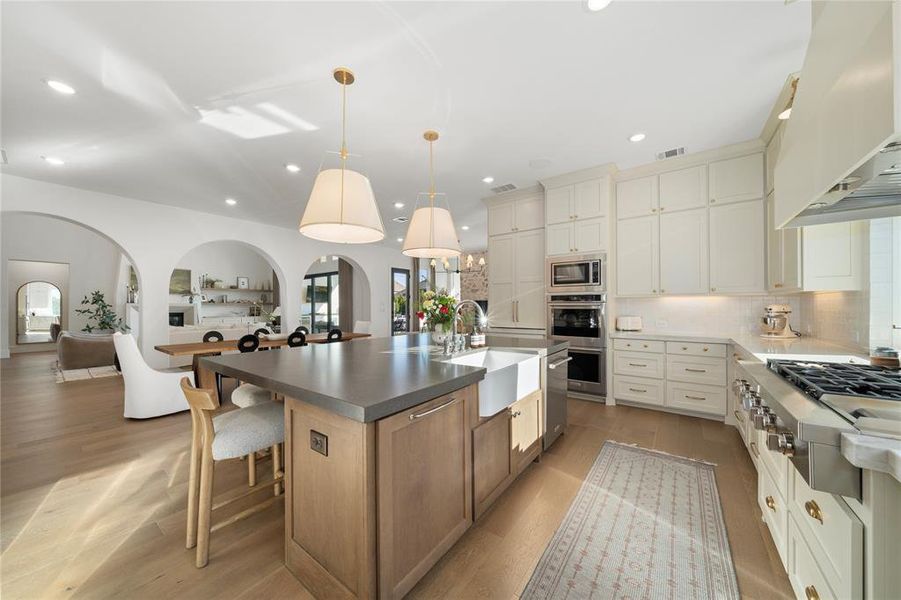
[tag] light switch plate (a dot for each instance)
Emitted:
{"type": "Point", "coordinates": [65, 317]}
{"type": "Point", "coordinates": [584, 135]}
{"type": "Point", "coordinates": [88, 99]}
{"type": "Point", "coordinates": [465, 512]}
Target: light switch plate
{"type": "Point", "coordinates": [319, 442]}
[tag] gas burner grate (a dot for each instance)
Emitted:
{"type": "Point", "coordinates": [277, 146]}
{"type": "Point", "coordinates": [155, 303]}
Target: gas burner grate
{"type": "Point", "coordinates": [816, 379]}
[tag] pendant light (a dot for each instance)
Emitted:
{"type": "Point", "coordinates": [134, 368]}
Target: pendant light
{"type": "Point", "coordinates": [342, 207]}
{"type": "Point", "coordinates": [431, 233]}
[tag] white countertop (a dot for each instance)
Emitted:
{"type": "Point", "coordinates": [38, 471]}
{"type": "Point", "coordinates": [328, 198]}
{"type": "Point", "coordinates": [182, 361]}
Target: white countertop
{"type": "Point", "coordinates": [802, 348]}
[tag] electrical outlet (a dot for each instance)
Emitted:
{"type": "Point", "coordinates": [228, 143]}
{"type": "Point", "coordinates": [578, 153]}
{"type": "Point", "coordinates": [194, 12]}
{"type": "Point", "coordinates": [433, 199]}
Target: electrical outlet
{"type": "Point", "coordinates": [662, 324]}
{"type": "Point", "coordinates": [319, 442]}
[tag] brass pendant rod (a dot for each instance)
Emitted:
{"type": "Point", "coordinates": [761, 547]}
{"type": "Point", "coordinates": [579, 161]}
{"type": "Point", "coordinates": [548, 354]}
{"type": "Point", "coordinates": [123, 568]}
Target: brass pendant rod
{"type": "Point", "coordinates": [343, 144]}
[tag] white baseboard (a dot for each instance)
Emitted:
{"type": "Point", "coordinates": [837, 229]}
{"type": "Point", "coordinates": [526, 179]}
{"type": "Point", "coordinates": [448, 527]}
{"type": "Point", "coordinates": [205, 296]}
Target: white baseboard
{"type": "Point", "coordinates": [4, 352]}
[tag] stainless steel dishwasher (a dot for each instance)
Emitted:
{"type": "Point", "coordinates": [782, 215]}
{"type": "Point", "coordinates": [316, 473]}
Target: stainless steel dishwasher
{"type": "Point", "coordinates": [555, 401]}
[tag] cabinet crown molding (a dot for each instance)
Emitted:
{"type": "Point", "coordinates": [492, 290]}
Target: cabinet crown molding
{"type": "Point", "coordinates": [598, 172]}
{"type": "Point", "coordinates": [529, 192]}
{"type": "Point", "coordinates": [690, 160]}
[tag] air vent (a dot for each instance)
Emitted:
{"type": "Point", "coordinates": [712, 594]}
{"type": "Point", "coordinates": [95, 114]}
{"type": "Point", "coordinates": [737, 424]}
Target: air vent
{"type": "Point", "coordinates": [507, 187]}
{"type": "Point", "coordinates": [401, 219]}
{"type": "Point", "coordinates": [670, 153]}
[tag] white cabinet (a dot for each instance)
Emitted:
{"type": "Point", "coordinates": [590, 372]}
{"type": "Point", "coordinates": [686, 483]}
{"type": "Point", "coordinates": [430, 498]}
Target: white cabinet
{"type": "Point", "coordinates": [637, 256]}
{"type": "Point", "coordinates": [737, 252]}
{"type": "Point", "coordinates": [736, 179]}
{"type": "Point", "coordinates": [576, 217]}
{"type": "Point", "coordinates": [683, 252]}
{"type": "Point", "coordinates": [835, 256]}
{"type": "Point", "coordinates": [511, 216]}
{"type": "Point", "coordinates": [529, 279]}
{"type": "Point", "coordinates": [636, 197]}
{"type": "Point", "coordinates": [683, 189]}
{"type": "Point", "coordinates": [501, 276]}
{"type": "Point", "coordinates": [772, 155]}
{"type": "Point", "coordinates": [783, 254]}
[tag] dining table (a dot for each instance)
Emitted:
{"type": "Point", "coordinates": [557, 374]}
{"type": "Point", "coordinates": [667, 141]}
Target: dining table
{"type": "Point", "coordinates": [206, 379]}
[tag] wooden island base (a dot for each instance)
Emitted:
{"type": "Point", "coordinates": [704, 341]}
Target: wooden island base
{"type": "Point", "coordinates": [371, 507]}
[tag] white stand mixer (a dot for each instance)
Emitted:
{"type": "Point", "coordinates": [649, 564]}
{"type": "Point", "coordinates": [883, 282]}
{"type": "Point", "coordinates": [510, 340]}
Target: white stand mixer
{"type": "Point", "coordinates": [775, 324]}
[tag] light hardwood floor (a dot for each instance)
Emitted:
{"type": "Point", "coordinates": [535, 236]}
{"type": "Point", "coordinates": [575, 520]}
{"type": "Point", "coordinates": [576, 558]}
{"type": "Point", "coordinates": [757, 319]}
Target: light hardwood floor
{"type": "Point", "coordinates": [93, 506]}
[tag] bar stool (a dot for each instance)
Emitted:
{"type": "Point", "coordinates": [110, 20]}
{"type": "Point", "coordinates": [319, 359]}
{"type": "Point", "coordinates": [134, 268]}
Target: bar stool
{"type": "Point", "coordinates": [214, 438]}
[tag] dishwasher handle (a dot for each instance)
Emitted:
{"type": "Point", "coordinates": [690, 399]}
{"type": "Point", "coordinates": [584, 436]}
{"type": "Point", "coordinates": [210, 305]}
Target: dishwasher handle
{"type": "Point", "coordinates": [559, 362]}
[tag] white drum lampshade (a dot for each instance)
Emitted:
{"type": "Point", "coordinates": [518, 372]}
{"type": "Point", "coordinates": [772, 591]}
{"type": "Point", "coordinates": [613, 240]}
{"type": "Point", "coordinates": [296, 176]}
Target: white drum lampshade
{"type": "Point", "coordinates": [431, 234]}
{"type": "Point", "coordinates": [355, 219]}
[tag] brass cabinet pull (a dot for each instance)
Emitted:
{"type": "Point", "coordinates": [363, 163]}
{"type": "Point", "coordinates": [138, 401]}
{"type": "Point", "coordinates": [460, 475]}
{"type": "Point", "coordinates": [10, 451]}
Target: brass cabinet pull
{"type": "Point", "coordinates": [712, 289]}
{"type": "Point", "coordinates": [706, 349]}
{"type": "Point", "coordinates": [638, 390]}
{"type": "Point", "coordinates": [430, 411]}
{"type": "Point", "coordinates": [644, 345]}
{"type": "Point", "coordinates": [755, 450]}
{"type": "Point", "coordinates": [517, 413]}
{"type": "Point", "coordinates": [811, 593]}
{"type": "Point", "coordinates": [738, 416]}
{"type": "Point", "coordinates": [813, 509]}
{"type": "Point", "coordinates": [695, 397]}
{"type": "Point", "coordinates": [777, 285]}
{"type": "Point", "coordinates": [771, 504]}
{"type": "Point", "coordinates": [695, 370]}
{"type": "Point", "coordinates": [685, 347]}
{"type": "Point", "coordinates": [636, 365]}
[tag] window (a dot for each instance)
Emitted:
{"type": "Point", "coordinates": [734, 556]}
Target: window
{"type": "Point", "coordinates": [319, 305]}
{"type": "Point", "coordinates": [400, 301]}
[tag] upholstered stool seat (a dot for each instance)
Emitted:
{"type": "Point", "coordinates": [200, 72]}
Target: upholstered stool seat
{"type": "Point", "coordinates": [241, 432]}
{"type": "Point", "coordinates": [247, 395]}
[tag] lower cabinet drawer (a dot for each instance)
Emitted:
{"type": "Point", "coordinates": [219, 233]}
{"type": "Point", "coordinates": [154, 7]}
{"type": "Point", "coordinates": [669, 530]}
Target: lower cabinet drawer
{"type": "Point", "coordinates": [698, 398]}
{"type": "Point", "coordinates": [834, 534]}
{"type": "Point", "coordinates": [696, 349]}
{"type": "Point", "coordinates": [776, 463]}
{"type": "Point", "coordinates": [646, 391]}
{"type": "Point", "coordinates": [638, 364]}
{"type": "Point", "coordinates": [805, 575]}
{"type": "Point", "coordinates": [775, 511]}
{"type": "Point", "coordinates": [639, 345]}
{"type": "Point", "coordinates": [696, 369]}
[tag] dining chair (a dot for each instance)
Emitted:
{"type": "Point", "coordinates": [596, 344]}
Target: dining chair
{"type": "Point", "coordinates": [334, 335]}
{"type": "Point", "coordinates": [228, 435]}
{"type": "Point", "coordinates": [260, 333]}
{"type": "Point", "coordinates": [210, 336]}
{"type": "Point", "coordinates": [297, 339]}
{"type": "Point", "coordinates": [148, 392]}
{"type": "Point", "coordinates": [303, 329]}
{"type": "Point", "coordinates": [246, 343]}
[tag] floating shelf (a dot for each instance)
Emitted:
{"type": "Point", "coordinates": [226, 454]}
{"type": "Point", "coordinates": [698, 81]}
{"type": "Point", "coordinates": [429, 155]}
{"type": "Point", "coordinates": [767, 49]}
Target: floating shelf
{"type": "Point", "coordinates": [232, 290]}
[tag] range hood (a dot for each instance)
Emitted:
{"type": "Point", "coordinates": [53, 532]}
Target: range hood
{"type": "Point", "coordinates": [840, 158]}
{"type": "Point", "coordinates": [872, 191]}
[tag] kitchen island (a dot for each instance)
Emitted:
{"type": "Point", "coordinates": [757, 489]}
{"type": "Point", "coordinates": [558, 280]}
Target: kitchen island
{"type": "Point", "coordinates": [379, 456]}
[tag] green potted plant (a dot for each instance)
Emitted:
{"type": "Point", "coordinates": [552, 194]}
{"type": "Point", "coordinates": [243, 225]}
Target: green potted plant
{"type": "Point", "coordinates": [101, 316]}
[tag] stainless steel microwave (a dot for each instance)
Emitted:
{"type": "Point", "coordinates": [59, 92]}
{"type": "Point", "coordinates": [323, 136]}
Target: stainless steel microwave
{"type": "Point", "coordinates": [577, 273]}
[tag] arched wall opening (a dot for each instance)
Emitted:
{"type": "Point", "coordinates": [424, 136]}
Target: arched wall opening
{"type": "Point", "coordinates": [38, 308]}
{"type": "Point", "coordinates": [335, 292]}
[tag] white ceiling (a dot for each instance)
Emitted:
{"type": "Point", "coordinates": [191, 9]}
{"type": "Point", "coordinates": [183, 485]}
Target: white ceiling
{"type": "Point", "coordinates": [506, 84]}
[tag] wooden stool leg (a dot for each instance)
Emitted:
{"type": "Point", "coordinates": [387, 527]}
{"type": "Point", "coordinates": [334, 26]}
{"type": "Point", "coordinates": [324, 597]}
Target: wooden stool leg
{"type": "Point", "coordinates": [252, 469]}
{"type": "Point", "coordinates": [193, 482]}
{"type": "Point", "coordinates": [205, 508]}
{"type": "Point", "coordinates": [276, 468]}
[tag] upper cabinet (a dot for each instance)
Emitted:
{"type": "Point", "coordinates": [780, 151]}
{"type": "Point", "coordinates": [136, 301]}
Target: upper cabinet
{"type": "Point", "coordinates": [515, 214]}
{"type": "Point", "coordinates": [683, 252]}
{"type": "Point", "coordinates": [577, 217]}
{"type": "Point", "coordinates": [636, 197]}
{"type": "Point", "coordinates": [835, 256]}
{"type": "Point", "coordinates": [683, 189]}
{"type": "Point", "coordinates": [737, 179]}
{"type": "Point", "coordinates": [500, 218]}
{"type": "Point", "coordinates": [737, 248]}
{"type": "Point", "coordinates": [637, 256]}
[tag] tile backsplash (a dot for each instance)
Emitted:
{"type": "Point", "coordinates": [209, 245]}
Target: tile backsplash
{"type": "Point", "coordinates": [726, 315]}
{"type": "Point", "coordinates": [841, 317]}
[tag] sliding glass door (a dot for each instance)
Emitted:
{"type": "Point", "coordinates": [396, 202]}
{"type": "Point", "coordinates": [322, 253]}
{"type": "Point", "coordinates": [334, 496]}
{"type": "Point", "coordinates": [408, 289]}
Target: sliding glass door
{"type": "Point", "coordinates": [400, 301]}
{"type": "Point", "coordinates": [320, 304]}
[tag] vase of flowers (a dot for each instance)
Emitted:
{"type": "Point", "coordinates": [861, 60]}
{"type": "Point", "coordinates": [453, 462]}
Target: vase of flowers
{"type": "Point", "coordinates": [437, 309]}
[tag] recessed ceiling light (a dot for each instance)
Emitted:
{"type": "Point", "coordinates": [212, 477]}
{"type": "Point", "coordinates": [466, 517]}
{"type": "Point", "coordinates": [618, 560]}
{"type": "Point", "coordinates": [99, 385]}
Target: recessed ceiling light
{"type": "Point", "coordinates": [488, 179]}
{"type": "Point", "coordinates": [231, 201]}
{"type": "Point", "coordinates": [292, 168]}
{"type": "Point", "coordinates": [637, 137]}
{"type": "Point", "coordinates": [785, 114]}
{"type": "Point", "coordinates": [400, 239]}
{"type": "Point", "coordinates": [398, 205]}
{"type": "Point", "coordinates": [52, 160]}
{"type": "Point", "coordinates": [596, 5]}
{"type": "Point", "coordinates": [60, 87]}
{"type": "Point", "coordinates": [465, 227]}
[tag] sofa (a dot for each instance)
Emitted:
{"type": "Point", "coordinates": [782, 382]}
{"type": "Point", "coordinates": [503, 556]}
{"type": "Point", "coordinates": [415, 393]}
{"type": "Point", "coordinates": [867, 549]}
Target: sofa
{"type": "Point", "coordinates": [76, 350]}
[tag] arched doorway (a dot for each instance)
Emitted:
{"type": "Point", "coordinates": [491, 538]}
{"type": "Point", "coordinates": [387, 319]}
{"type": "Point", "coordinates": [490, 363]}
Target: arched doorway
{"type": "Point", "coordinates": [38, 308]}
{"type": "Point", "coordinates": [335, 294]}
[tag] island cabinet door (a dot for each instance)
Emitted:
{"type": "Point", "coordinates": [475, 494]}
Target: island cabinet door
{"type": "Point", "coordinates": [525, 431]}
{"type": "Point", "coordinates": [492, 461]}
{"type": "Point", "coordinates": [424, 487]}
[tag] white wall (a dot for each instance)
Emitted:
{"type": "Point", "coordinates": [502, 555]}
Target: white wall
{"type": "Point", "coordinates": [155, 237]}
{"type": "Point", "coordinates": [93, 263]}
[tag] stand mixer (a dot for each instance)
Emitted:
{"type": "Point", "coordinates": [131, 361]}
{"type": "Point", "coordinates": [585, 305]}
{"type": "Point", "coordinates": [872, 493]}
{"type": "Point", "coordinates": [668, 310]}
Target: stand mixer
{"type": "Point", "coordinates": [774, 323]}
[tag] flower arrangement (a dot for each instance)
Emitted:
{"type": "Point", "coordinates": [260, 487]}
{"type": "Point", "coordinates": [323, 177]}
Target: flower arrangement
{"type": "Point", "coordinates": [437, 308]}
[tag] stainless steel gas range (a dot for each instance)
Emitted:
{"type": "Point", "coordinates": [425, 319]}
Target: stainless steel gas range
{"type": "Point", "coordinates": [805, 406]}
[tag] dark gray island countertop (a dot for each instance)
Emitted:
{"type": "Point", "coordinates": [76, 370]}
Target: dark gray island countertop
{"type": "Point", "coordinates": [364, 380]}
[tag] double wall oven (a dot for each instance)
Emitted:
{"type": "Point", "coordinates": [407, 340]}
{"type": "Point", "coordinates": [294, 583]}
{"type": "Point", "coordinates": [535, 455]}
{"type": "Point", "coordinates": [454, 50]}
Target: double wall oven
{"type": "Point", "coordinates": [577, 313]}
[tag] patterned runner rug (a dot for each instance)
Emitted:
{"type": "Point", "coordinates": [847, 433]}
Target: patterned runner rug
{"type": "Point", "coordinates": [644, 525]}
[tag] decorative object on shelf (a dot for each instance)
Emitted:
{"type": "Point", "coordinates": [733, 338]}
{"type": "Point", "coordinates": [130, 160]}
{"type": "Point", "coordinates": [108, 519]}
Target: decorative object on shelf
{"type": "Point", "coordinates": [437, 309]}
{"type": "Point", "coordinates": [264, 298]}
{"type": "Point", "coordinates": [243, 283]}
{"type": "Point", "coordinates": [101, 316]}
{"type": "Point", "coordinates": [431, 233]}
{"type": "Point", "coordinates": [342, 206]}
{"type": "Point", "coordinates": [180, 281]}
